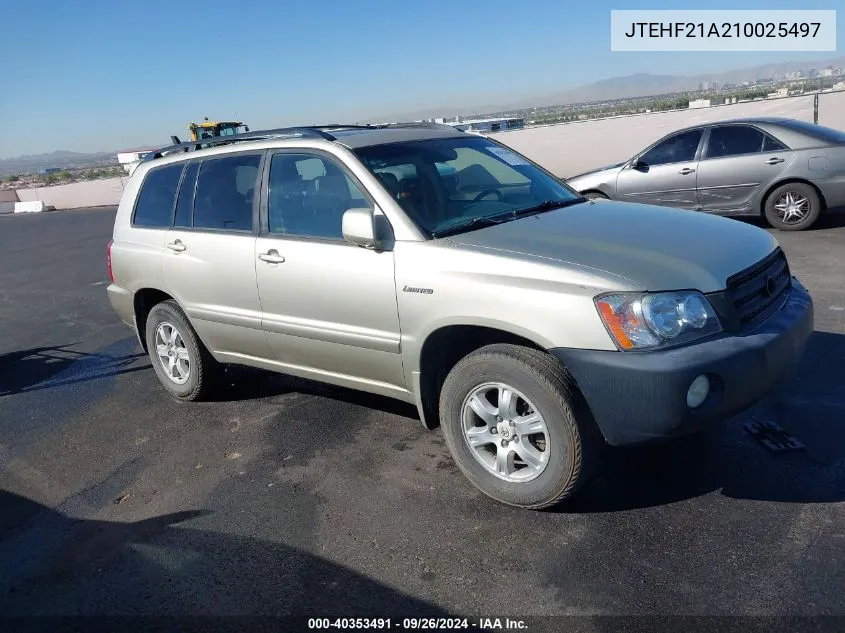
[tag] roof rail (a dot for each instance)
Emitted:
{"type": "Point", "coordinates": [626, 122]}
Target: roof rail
{"type": "Point", "coordinates": [382, 126]}
{"type": "Point", "coordinates": [313, 131]}
{"type": "Point", "coordinates": [256, 135]}
{"type": "Point", "coordinates": [424, 124]}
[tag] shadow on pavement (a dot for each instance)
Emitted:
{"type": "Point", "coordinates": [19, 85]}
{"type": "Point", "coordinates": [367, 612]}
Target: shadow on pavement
{"type": "Point", "coordinates": [246, 383]}
{"type": "Point", "coordinates": [156, 567]}
{"type": "Point", "coordinates": [727, 459]}
{"type": "Point", "coordinates": [47, 367]}
{"type": "Point", "coordinates": [830, 219]}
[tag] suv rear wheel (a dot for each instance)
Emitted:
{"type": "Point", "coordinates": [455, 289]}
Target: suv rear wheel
{"type": "Point", "coordinates": [517, 426]}
{"type": "Point", "coordinates": [180, 360]}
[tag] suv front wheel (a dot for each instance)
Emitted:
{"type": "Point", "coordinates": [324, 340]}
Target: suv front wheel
{"type": "Point", "coordinates": [517, 426]}
{"type": "Point", "coordinates": [180, 360]}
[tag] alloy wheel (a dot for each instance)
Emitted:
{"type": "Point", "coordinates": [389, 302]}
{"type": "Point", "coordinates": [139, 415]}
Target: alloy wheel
{"type": "Point", "coordinates": [505, 432]}
{"type": "Point", "coordinates": [172, 353]}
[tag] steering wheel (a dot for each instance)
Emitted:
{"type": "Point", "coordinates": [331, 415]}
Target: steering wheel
{"type": "Point", "coordinates": [487, 192]}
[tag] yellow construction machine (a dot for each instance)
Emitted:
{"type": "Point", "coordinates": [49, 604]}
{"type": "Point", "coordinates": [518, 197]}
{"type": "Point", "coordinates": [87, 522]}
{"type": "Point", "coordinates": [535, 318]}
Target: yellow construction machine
{"type": "Point", "coordinates": [211, 129]}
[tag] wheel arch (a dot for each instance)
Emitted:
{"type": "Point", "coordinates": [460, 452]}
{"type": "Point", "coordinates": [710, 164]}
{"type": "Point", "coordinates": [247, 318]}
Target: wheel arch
{"type": "Point", "coordinates": [765, 197]}
{"type": "Point", "coordinates": [595, 190]}
{"type": "Point", "coordinates": [441, 350]}
{"type": "Point", "coordinates": [144, 300]}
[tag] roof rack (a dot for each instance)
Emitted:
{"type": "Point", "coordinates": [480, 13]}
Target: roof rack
{"type": "Point", "coordinates": [256, 135]}
{"type": "Point", "coordinates": [423, 124]}
{"type": "Point", "coordinates": [313, 131]}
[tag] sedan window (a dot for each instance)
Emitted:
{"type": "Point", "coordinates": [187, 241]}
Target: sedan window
{"type": "Point", "coordinates": [734, 140]}
{"type": "Point", "coordinates": [771, 144]}
{"type": "Point", "coordinates": [676, 149]}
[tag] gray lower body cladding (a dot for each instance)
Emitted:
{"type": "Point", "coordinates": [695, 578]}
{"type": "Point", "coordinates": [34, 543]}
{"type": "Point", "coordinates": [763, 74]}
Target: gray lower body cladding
{"type": "Point", "coordinates": [640, 397]}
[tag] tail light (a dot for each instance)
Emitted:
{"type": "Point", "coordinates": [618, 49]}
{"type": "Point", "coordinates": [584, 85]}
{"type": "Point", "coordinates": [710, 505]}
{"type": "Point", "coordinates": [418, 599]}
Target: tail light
{"type": "Point", "coordinates": [108, 260]}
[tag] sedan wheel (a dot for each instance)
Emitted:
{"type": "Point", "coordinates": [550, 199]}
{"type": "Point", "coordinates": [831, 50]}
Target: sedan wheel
{"type": "Point", "coordinates": [794, 206]}
{"type": "Point", "coordinates": [595, 195]}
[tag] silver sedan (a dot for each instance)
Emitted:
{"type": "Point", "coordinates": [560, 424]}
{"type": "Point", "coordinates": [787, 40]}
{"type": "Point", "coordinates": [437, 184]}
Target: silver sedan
{"type": "Point", "coordinates": [786, 170]}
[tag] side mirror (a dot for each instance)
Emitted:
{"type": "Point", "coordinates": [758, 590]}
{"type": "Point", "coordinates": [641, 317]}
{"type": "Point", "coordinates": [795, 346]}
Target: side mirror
{"type": "Point", "coordinates": [359, 227]}
{"type": "Point", "coordinates": [638, 163]}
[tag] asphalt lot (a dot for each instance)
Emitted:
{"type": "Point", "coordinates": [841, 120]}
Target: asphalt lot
{"type": "Point", "coordinates": [289, 497]}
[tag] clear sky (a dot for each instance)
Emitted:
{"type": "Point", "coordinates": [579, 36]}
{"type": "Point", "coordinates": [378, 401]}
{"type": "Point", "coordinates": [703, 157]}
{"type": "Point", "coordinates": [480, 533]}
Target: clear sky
{"type": "Point", "coordinates": [109, 74]}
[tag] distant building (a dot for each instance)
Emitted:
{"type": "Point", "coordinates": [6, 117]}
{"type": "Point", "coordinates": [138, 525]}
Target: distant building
{"type": "Point", "coordinates": [488, 125]}
{"type": "Point", "coordinates": [827, 72]}
{"type": "Point", "coordinates": [703, 85]}
{"type": "Point", "coordinates": [50, 170]}
{"type": "Point", "coordinates": [839, 86]}
{"type": "Point", "coordinates": [780, 92]}
{"type": "Point", "coordinates": [130, 158]}
{"type": "Point", "coordinates": [699, 103]}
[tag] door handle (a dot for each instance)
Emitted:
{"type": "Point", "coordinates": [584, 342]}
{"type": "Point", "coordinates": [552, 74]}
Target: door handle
{"type": "Point", "coordinates": [271, 257]}
{"type": "Point", "coordinates": [177, 246]}
{"type": "Point", "coordinates": [686, 171]}
{"type": "Point", "coordinates": [774, 161]}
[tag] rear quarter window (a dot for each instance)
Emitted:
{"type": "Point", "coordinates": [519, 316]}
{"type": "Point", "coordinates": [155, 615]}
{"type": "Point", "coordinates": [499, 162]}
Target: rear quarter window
{"type": "Point", "coordinates": [154, 206]}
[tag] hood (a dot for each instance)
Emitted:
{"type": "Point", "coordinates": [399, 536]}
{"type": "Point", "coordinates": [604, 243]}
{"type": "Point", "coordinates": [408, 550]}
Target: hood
{"type": "Point", "coordinates": [597, 170]}
{"type": "Point", "coordinates": [656, 248]}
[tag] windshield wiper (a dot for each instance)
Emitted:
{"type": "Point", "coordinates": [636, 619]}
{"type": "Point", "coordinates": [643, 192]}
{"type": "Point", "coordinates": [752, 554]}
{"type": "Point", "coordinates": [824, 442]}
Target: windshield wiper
{"type": "Point", "coordinates": [486, 220]}
{"type": "Point", "coordinates": [546, 205]}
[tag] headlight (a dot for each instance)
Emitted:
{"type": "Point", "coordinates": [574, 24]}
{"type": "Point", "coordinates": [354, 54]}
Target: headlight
{"type": "Point", "coordinates": [639, 320]}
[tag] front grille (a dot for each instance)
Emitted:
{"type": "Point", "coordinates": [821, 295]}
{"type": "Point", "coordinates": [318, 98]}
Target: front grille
{"type": "Point", "coordinates": [757, 292]}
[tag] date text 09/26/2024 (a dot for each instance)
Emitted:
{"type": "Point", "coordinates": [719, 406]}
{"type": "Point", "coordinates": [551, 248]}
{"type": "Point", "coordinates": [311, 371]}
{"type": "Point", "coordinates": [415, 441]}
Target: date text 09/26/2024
{"type": "Point", "coordinates": [418, 624]}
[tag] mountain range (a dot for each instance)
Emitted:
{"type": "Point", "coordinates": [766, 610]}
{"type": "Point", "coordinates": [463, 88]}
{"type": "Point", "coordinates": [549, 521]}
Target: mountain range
{"type": "Point", "coordinates": [62, 159]}
{"type": "Point", "coordinates": [631, 86]}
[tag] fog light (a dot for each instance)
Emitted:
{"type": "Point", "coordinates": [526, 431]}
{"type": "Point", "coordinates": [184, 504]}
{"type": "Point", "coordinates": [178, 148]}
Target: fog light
{"type": "Point", "coordinates": [698, 391]}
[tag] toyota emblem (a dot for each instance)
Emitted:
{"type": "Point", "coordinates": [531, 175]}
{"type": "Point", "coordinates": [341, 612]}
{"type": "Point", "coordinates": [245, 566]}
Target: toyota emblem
{"type": "Point", "coordinates": [771, 286]}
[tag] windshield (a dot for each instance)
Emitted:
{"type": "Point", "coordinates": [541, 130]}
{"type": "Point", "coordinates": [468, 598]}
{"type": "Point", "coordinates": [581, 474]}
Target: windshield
{"type": "Point", "coordinates": [447, 183]}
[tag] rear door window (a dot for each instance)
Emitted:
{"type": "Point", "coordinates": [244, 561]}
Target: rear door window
{"type": "Point", "coordinates": [734, 140]}
{"type": "Point", "coordinates": [225, 191]}
{"type": "Point", "coordinates": [154, 207]}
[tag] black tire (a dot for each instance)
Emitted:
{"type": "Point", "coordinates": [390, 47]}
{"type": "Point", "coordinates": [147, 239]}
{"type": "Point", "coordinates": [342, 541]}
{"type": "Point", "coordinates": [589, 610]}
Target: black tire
{"type": "Point", "coordinates": [574, 442]}
{"type": "Point", "coordinates": [595, 195]}
{"type": "Point", "coordinates": [204, 369]}
{"type": "Point", "coordinates": [799, 189]}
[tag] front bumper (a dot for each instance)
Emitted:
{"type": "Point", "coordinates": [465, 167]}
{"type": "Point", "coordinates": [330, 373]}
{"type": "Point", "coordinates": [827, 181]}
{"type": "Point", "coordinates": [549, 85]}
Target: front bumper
{"type": "Point", "coordinates": [639, 397]}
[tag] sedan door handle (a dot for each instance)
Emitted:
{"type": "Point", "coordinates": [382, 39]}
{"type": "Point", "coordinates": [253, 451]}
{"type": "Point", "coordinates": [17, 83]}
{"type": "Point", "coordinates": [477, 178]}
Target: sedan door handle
{"type": "Point", "coordinates": [686, 171]}
{"type": "Point", "coordinates": [774, 161]}
{"type": "Point", "coordinates": [177, 246]}
{"type": "Point", "coordinates": [271, 257]}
